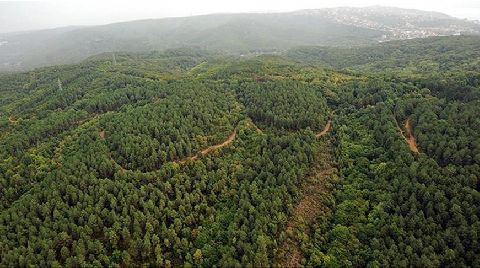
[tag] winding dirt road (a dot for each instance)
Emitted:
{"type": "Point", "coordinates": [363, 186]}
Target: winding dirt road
{"type": "Point", "coordinates": [325, 129]}
{"type": "Point", "coordinates": [226, 142]}
{"type": "Point", "coordinates": [205, 151]}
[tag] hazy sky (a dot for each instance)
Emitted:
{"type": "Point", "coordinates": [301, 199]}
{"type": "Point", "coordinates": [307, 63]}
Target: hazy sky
{"type": "Point", "coordinates": [29, 15]}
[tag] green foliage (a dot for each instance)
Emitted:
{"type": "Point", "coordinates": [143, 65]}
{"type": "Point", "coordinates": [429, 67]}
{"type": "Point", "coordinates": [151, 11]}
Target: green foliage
{"type": "Point", "coordinates": [396, 207]}
{"type": "Point", "coordinates": [95, 180]}
{"type": "Point", "coordinates": [434, 54]}
{"type": "Point", "coordinates": [112, 169]}
{"type": "Point", "coordinates": [284, 104]}
{"type": "Point", "coordinates": [195, 116]}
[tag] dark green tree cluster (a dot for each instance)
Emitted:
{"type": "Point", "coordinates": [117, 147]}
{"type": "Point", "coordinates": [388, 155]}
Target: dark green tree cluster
{"type": "Point", "coordinates": [448, 131]}
{"type": "Point", "coordinates": [37, 116]}
{"type": "Point", "coordinates": [226, 209]}
{"type": "Point", "coordinates": [284, 104]}
{"type": "Point", "coordinates": [195, 116]}
{"type": "Point", "coordinates": [100, 171]}
{"type": "Point", "coordinates": [395, 207]}
{"type": "Point", "coordinates": [68, 202]}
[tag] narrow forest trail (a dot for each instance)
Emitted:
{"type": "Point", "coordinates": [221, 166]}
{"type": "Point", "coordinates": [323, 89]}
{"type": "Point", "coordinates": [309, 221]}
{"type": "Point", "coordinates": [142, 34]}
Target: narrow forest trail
{"type": "Point", "coordinates": [312, 205]}
{"type": "Point", "coordinates": [11, 120]}
{"type": "Point", "coordinates": [59, 149]}
{"type": "Point", "coordinates": [412, 142]}
{"type": "Point", "coordinates": [408, 135]}
{"type": "Point", "coordinates": [251, 124]}
{"type": "Point", "coordinates": [102, 136]}
{"type": "Point", "coordinates": [205, 151]}
{"type": "Point", "coordinates": [325, 129]}
{"type": "Point", "coordinates": [226, 142]}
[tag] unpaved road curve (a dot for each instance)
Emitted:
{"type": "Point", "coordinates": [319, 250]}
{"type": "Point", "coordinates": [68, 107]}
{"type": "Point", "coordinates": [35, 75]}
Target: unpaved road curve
{"type": "Point", "coordinates": [226, 142]}
{"type": "Point", "coordinates": [11, 120]}
{"type": "Point", "coordinates": [205, 151]}
{"type": "Point", "coordinates": [325, 129]}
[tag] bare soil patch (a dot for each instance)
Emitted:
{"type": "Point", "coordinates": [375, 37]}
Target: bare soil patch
{"type": "Point", "coordinates": [412, 142]}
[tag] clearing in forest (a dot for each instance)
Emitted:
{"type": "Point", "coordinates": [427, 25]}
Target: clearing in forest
{"type": "Point", "coordinates": [312, 205]}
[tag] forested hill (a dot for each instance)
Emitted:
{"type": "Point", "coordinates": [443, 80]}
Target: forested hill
{"type": "Point", "coordinates": [188, 158]}
{"type": "Point", "coordinates": [429, 55]}
{"type": "Point", "coordinates": [229, 33]}
{"type": "Point", "coordinates": [449, 66]}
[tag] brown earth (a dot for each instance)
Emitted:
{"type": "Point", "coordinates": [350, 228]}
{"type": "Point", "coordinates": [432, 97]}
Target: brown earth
{"type": "Point", "coordinates": [315, 190]}
{"type": "Point", "coordinates": [205, 151]}
{"type": "Point", "coordinates": [325, 129]}
{"type": "Point", "coordinates": [412, 142]}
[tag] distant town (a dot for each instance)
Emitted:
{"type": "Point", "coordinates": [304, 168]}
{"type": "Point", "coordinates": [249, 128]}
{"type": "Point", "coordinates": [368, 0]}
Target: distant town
{"type": "Point", "coordinates": [407, 24]}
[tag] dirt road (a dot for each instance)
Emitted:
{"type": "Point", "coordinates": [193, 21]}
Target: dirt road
{"type": "Point", "coordinates": [205, 151]}
{"type": "Point", "coordinates": [325, 129]}
{"type": "Point", "coordinates": [226, 142]}
{"type": "Point", "coordinates": [412, 142]}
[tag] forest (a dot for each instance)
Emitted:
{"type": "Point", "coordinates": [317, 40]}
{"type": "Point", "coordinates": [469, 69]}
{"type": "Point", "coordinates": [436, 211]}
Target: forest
{"type": "Point", "coordinates": [189, 158]}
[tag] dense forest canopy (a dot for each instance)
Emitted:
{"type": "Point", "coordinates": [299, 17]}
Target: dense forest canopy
{"type": "Point", "coordinates": [190, 158]}
{"type": "Point", "coordinates": [426, 56]}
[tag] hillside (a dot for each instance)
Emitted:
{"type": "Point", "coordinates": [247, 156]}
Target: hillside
{"type": "Point", "coordinates": [420, 55]}
{"type": "Point", "coordinates": [448, 66]}
{"type": "Point", "coordinates": [229, 33]}
{"type": "Point", "coordinates": [188, 158]}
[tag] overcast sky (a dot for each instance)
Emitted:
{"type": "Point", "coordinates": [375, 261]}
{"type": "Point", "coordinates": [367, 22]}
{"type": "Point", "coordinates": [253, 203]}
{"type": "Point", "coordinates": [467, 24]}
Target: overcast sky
{"type": "Point", "coordinates": [30, 15]}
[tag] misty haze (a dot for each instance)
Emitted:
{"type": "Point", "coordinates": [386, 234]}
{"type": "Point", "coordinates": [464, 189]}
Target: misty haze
{"type": "Point", "coordinates": [247, 134]}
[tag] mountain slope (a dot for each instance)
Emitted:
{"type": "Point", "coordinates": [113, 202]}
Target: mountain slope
{"type": "Point", "coordinates": [420, 55]}
{"type": "Point", "coordinates": [233, 33]}
{"type": "Point", "coordinates": [111, 164]}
